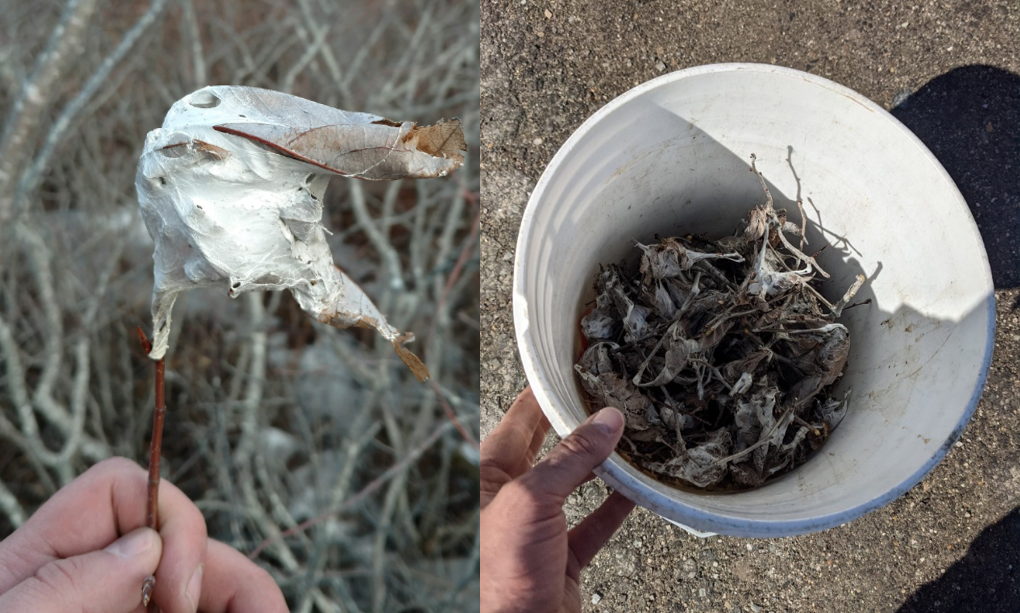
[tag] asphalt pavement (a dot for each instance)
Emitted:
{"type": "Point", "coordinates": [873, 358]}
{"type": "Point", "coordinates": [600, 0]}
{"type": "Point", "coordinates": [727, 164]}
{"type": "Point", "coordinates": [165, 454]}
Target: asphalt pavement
{"type": "Point", "coordinates": [949, 71]}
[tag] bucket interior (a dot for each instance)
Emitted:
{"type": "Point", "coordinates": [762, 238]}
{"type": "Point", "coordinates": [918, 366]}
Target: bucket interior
{"type": "Point", "coordinates": [672, 157]}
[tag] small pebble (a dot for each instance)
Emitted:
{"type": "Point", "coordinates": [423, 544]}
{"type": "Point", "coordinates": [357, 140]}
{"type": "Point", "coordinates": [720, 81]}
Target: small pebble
{"type": "Point", "coordinates": [537, 141]}
{"type": "Point", "coordinates": [596, 598]}
{"type": "Point", "coordinates": [755, 608]}
{"type": "Point", "coordinates": [548, 15]}
{"type": "Point", "coordinates": [749, 547]}
{"type": "Point", "coordinates": [660, 66]}
{"type": "Point", "coordinates": [901, 97]}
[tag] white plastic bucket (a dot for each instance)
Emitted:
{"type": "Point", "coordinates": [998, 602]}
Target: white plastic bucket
{"type": "Point", "coordinates": [672, 156]}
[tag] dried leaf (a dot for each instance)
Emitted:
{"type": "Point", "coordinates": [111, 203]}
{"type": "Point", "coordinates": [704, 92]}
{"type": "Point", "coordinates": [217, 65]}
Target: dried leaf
{"type": "Point", "coordinates": [445, 140]}
{"type": "Point", "coordinates": [833, 410]}
{"type": "Point", "coordinates": [352, 144]}
{"type": "Point", "coordinates": [699, 465]}
{"type": "Point", "coordinates": [721, 354]}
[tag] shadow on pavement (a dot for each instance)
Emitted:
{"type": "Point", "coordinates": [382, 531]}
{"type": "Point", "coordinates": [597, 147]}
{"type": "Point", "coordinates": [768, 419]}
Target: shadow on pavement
{"type": "Point", "coordinates": [970, 119]}
{"type": "Point", "coordinates": [986, 580]}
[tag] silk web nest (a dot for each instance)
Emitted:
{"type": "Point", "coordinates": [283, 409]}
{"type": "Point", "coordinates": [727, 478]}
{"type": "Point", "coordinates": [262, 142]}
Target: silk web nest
{"type": "Point", "coordinates": [231, 192]}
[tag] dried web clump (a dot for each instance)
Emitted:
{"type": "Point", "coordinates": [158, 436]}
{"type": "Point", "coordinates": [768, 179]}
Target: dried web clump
{"type": "Point", "coordinates": [721, 354]}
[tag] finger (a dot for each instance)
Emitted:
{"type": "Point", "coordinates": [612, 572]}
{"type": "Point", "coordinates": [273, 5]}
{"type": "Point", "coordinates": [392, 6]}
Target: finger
{"type": "Point", "coordinates": [507, 444]}
{"type": "Point", "coordinates": [594, 531]}
{"type": "Point", "coordinates": [92, 511]}
{"type": "Point", "coordinates": [536, 443]}
{"type": "Point", "coordinates": [108, 580]}
{"type": "Point", "coordinates": [569, 463]}
{"type": "Point", "coordinates": [504, 454]}
{"type": "Point", "coordinates": [232, 583]}
{"type": "Point", "coordinates": [179, 576]}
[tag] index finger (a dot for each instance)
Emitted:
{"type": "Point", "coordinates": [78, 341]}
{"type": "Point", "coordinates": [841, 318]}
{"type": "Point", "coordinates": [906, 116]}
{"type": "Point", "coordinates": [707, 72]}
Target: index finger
{"type": "Point", "coordinates": [234, 584]}
{"type": "Point", "coordinates": [511, 448]}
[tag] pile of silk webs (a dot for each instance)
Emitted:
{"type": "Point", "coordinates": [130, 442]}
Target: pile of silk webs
{"type": "Point", "coordinates": [721, 354]}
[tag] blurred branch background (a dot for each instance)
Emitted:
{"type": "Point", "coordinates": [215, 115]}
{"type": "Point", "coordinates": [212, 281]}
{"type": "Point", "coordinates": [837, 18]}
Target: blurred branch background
{"type": "Point", "coordinates": [316, 444]}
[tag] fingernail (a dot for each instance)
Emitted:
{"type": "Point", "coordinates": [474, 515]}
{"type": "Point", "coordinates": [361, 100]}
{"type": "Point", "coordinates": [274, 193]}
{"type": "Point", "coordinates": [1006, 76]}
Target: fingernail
{"type": "Point", "coordinates": [195, 587]}
{"type": "Point", "coordinates": [609, 420]}
{"type": "Point", "coordinates": [133, 543]}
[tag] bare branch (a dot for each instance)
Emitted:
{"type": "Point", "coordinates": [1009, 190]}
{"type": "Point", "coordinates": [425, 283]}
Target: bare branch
{"type": "Point", "coordinates": [375, 235]}
{"type": "Point", "coordinates": [11, 507]}
{"type": "Point", "coordinates": [365, 492]}
{"type": "Point", "coordinates": [58, 132]}
{"type": "Point", "coordinates": [197, 55]}
{"type": "Point", "coordinates": [32, 104]}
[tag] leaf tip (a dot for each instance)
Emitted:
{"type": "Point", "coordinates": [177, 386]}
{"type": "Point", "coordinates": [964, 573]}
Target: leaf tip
{"type": "Point", "coordinates": [444, 139]}
{"type": "Point", "coordinates": [419, 370]}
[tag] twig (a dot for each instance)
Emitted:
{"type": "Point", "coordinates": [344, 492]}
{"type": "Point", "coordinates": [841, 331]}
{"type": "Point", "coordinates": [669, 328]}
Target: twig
{"type": "Point", "coordinates": [11, 507]}
{"type": "Point", "coordinates": [155, 449]}
{"type": "Point", "coordinates": [458, 267]}
{"type": "Point", "coordinates": [31, 105]}
{"type": "Point", "coordinates": [452, 416]}
{"type": "Point", "coordinates": [837, 308]}
{"type": "Point", "coordinates": [381, 537]}
{"type": "Point", "coordinates": [857, 304]}
{"type": "Point", "coordinates": [379, 242]}
{"type": "Point", "coordinates": [195, 37]}
{"type": "Point", "coordinates": [800, 201]}
{"type": "Point", "coordinates": [314, 47]}
{"type": "Point", "coordinates": [803, 223]}
{"type": "Point", "coordinates": [328, 57]}
{"type": "Point", "coordinates": [366, 491]}
{"type": "Point", "coordinates": [779, 228]}
{"type": "Point", "coordinates": [60, 128]}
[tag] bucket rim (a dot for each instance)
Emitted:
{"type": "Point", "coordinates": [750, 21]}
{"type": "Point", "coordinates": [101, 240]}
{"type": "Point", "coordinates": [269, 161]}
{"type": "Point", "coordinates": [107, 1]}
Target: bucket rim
{"type": "Point", "coordinates": [611, 471]}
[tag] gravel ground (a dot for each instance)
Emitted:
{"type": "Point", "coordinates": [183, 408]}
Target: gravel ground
{"type": "Point", "coordinates": [949, 70]}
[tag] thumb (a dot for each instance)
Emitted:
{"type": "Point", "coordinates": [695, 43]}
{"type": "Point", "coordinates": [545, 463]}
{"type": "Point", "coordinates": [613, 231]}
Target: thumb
{"type": "Point", "coordinates": [570, 462]}
{"type": "Point", "coordinates": [109, 580]}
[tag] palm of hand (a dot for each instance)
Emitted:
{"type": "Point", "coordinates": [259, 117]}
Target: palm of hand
{"type": "Point", "coordinates": [530, 560]}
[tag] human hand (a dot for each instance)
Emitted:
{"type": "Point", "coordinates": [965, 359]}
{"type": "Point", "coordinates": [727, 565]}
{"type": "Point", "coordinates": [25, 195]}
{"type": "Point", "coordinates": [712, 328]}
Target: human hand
{"type": "Point", "coordinates": [529, 560]}
{"type": "Point", "coordinates": [70, 556]}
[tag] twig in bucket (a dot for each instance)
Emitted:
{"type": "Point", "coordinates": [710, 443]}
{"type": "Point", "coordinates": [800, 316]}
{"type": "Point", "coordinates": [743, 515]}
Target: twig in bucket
{"type": "Point", "coordinates": [155, 449]}
{"type": "Point", "coordinates": [803, 224]}
{"type": "Point", "coordinates": [857, 304]}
